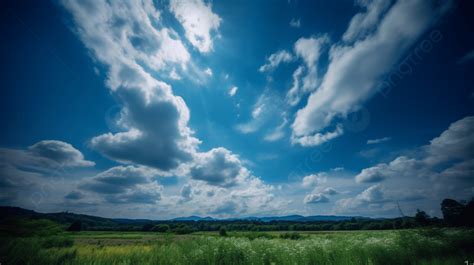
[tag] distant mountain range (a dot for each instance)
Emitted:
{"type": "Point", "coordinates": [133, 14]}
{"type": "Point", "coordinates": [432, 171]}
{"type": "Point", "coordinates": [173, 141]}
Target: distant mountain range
{"type": "Point", "coordinates": [98, 222]}
{"type": "Point", "coordinates": [292, 218]}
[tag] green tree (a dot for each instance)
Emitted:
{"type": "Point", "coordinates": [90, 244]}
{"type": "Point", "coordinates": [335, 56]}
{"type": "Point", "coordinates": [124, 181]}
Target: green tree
{"type": "Point", "coordinates": [76, 226]}
{"type": "Point", "coordinates": [162, 228]}
{"type": "Point", "coordinates": [452, 212]}
{"type": "Point", "coordinates": [422, 218]}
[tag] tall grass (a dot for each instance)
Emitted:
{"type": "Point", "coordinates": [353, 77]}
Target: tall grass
{"type": "Point", "coordinates": [384, 247]}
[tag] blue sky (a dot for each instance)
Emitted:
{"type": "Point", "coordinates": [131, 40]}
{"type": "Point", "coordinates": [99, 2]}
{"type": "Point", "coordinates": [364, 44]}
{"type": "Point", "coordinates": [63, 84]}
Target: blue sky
{"type": "Point", "coordinates": [159, 109]}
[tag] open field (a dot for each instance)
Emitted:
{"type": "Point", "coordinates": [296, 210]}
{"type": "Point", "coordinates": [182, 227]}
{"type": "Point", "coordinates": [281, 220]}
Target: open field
{"type": "Point", "coordinates": [428, 246]}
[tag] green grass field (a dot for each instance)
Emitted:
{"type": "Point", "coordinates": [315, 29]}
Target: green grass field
{"type": "Point", "coordinates": [429, 246]}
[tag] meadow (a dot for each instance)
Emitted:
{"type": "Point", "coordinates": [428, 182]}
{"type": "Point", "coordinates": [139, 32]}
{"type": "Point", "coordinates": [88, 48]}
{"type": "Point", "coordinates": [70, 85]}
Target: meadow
{"type": "Point", "coordinates": [417, 246]}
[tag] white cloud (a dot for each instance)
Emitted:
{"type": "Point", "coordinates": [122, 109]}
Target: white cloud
{"type": "Point", "coordinates": [318, 138]}
{"type": "Point", "coordinates": [130, 184]}
{"type": "Point", "coordinates": [156, 127]}
{"type": "Point", "coordinates": [46, 154]}
{"type": "Point", "coordinates": [174, 75]}
{"type": "Point", "coordinates": [372, 174]}
{"type": "Point", "coordinates": [220, 174]}
{"type": "Point", "coordinates": [154, 121]}
{"type": "Point", "coordinates": [315, 198]}
{"type": "Point", "coordinates": [134, 38]}
{"type": "Point", "coordinates": [219, 167]}
{"type": "Point", "coordinates": [456, 143]}
{"type": "Point", "coordinates": [309, 50]}
{"type": "Point", "coordinates": [295, 23]}
{"type": "Point", "coordinates": [62, 153]}
{"type": "Point", "coordinates": [438, 170]}
{"type": "Point", "coordinates": [293, 96]}
{"type": "Point", "coordinates": [30, 176]}
{"type": "Point", "coordinates": [198, 21]}
{"type": "Point", "coordinates": [276, 59]}
{"type": "Point", "coordinates": [314, 180]}
{"type": "Point", "coordinates": [346, 85]}
{"type": "Point", "coordinates": [233, 91]}
{"type": "Point", "coordinates": [330, 191]}
{"type": "Point", "coordinates": [258, 110]}
{"type": "Point", "coordinates": [208, 71]}
{"type": "Point", "coordinates": [362, 24]}
{"type": "Point", "coordinates": [379, 140]}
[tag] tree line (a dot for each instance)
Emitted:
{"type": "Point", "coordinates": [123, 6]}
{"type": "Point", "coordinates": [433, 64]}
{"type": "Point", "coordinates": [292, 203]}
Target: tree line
{"type": "Point", "coordinates": [455, 213]}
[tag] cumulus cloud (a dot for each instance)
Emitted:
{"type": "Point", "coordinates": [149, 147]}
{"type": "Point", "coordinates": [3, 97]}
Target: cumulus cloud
{"type": "Point", "coordinates": [276, 59]}
{"type": "Point", "coordinates": [315, 198]}
{"type": "Point", "coordinates": [124, 36]}
{"type": "Point", "coordinates": [46, 154]}
{"type": "Point", "coordinates": [123, 31]}
{"type": "Point", "coordinates": [455, 143]}
{"type": "Point", "coordinates": [372, 174]}
{"type": "Point", "coordinates": [156, 133]}
{"type": "Point", "coordinates": [371, 197]}
{"type": "Point", "coordinates": [346, 85]}
{"type": "Point", "coordinates": [378, 140]}
{"type": "Point", "coordinates": [228, 207]}
{"type": "Point", "coordinates": [309, 50]}
{"type": "Point", "coordinates": [330, 191]}
{"type": "Point", "coordinates": [62, 153]}
{"type": "Point", "coordinates": [198, 21]}
{"type": "Point", "coordinates": [154, 137]}
{"type": "Point", "coordinates": [37, 170]}
{"type": "Point", "coordinates": [219, 167]}
{"type": "Point", "coordinates": [441, 169]}
{"type": "Point", "coordinates": [314, 180]}
{"type": "Point", "coordinates": [125, 184]}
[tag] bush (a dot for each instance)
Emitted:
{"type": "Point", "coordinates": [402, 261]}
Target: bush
{"type": "Point", "coordinates": [163, 228]}
{"type": "Point", "coordinates": [29, 227]}
{"type": "Point", "coordinates": [184, 229]}
{"type": "Point", "coordinates": [57, 242]}
{"type": "Point", "coordinates": [222, 231]}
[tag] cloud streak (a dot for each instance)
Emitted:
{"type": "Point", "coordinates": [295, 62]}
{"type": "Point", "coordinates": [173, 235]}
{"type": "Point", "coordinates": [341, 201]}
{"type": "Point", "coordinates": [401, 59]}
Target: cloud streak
{"type": "Point", "coordinates": [346, 85]}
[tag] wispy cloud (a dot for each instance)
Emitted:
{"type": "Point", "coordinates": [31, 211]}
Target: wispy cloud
{"type": "Point", "coordinates": [233, 91]}
{"type": "Point", "coordinates": [379, 140]}
{"type": "Point", "coordinates": [346, 85]}
{"type": "Point", "coordinates": [466, 58]}
{"type": "Point", "coordinates": [276, 59]}
{"type": "Point", "coordinates": [295, 23]}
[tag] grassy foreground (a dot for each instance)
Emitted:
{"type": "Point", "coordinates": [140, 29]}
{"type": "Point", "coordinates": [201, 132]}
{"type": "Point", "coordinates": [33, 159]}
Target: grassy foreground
{"type": "Point", "coordinates": [434, 246]}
